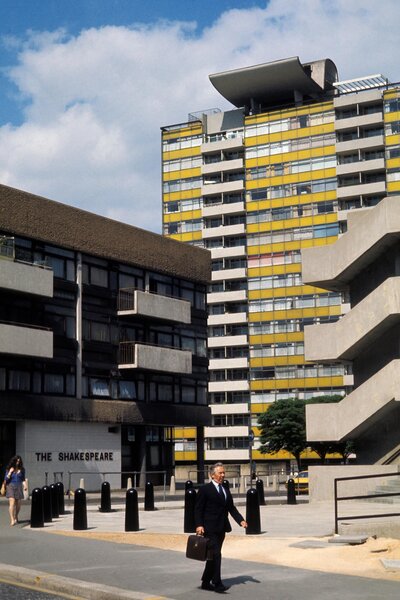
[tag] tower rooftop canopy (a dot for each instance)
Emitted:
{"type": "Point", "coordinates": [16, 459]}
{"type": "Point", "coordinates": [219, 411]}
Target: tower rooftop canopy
{"type": "Point", "coordinates": [279, 82]}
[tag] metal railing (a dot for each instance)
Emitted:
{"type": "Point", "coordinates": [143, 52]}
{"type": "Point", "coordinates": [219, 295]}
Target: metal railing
{"type": "Point", "coordinates": [338, 499]}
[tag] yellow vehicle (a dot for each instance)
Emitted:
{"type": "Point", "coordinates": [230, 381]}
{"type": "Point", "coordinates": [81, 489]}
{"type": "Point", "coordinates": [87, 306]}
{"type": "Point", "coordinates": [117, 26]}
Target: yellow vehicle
{"type": "Point", "coordinates": [301, 482]}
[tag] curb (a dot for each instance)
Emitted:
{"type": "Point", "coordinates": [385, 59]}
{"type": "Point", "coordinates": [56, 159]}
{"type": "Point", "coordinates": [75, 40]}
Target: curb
{"type": "Point", "coordinates": [86, 590]}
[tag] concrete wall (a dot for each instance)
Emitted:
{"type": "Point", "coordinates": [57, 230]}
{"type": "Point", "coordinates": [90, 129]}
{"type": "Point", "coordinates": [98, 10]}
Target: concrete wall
{"type": "Point", "coordinates": [61, 447]}
{"type": "Point", "coordinates": [26, 341]}
{"type": "Point", "coordinates": [321, 487]}
{"type": "Point", "coordinates": [161, 307]}
{"type": "Point", "coordinates": [26, 278]}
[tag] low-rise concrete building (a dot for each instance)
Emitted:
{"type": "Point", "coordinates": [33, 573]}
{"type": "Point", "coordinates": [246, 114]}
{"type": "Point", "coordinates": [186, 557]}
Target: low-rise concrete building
{"type": "Point", "coordinates": [103, 344]}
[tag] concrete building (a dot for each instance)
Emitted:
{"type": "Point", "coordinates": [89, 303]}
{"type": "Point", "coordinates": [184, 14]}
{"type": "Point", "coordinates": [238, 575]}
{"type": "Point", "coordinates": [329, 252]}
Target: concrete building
{"type": "Point", "coordinates": [102, 343]}
{"type": "Point", "coordinates": [257, 184]}
{"type": "Point", "coordinates": [364, 264]}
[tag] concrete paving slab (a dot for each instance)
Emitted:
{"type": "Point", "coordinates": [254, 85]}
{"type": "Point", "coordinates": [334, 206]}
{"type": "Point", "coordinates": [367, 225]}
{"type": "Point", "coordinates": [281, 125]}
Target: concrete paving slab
{"type": "Point", "coordinates": [310, 544]}
{"type": "Point", "coordinates": [353, 540]}
{"type": "Point", "coordinates": [391, 565]}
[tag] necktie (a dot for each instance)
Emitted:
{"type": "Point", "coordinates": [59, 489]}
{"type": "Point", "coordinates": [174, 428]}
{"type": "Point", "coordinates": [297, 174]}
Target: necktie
{"type": "Point", "coordinates": [221, 491]}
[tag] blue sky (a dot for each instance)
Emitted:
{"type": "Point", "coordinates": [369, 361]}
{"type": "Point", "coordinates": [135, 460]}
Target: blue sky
{"type": "Point", "coordinates": [87, 84]}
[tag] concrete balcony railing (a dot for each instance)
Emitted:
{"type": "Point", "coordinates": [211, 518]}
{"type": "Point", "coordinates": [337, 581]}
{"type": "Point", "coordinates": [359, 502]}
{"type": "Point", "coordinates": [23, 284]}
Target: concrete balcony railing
{"type": "Point", "coordinates": [358, 411]}
{"type": "Point", "coordinates": [227, 340]}
{"type": "Point", "coordinates": [155, 306]}
{"type": "Point", "coordinates": [367, 143]}
{"type": "Point", "coordinates": [227, 318]}
{"type": "Point", "coordinates": [228, 252]}
{"type": "Point", "coordinates": [240, 385]}
{"type": "Point", "coordinates": [361, 166]}
{"type": "Point", "coordinates": [25, 341]}
{"type": "Point", "coordinates": [359, 121]}
{"type": "Point", "coordinates": [223, 187]}
{"type": "Point", "coordinates": [365, 323]}
{"type": "Point", "coordinates": [154, 358]}
{"type": "Point", "coordinates": [26, 278]}
{"type": "Point", "coordinates": [332, 267]}
{"type": "Point", "coordinates": [222, 165]}
{"type": "Point", "coordinates": [349, 191]}
{"type": "Point", "coordinates": [230, 143]}
{"type": "Point", "coordinates": [223, 209]}
{"type": "Point", "coordinates": [242, 362]}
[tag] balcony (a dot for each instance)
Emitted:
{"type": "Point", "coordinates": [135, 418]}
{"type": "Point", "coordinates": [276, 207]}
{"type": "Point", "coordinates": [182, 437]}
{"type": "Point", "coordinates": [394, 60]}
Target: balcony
{"type": "Point", "coordinates": [374, 187]}
{"type": "Point", "coordinates": [228, 363]}
{"type": "Point", "coordinates": [228, 296]}
{"type": "Point", "coordinates": [25, 278]}
{"type": "Point", "coordinates": [154, 358]}
{"type": "Point", "coordinates": [224, 187]}
{"type": "Point", "coordinates": [366, 143]}
{"type": "Point", "coordinates": [223, 209]}
{"type": "Point", "coordinates": [154, 306]}
{"type": "Point", "coordinates": [239, 385]}
{"type": "Point", "coordinates": [225, 143]}
{"type": "Point", "coordinates": [361, 166]}
{"type": "Point", "coordinates": [25, 341]}
{"type": "Point", "coordinates": [228, 252]}
{"type": "Point", "coordinates": [361, 327]}
{"type": "Point", "coordinates": [227, 318]}
{"type": "Point", "coordinates": [358, 411]}
{"type": "Point", "coordinates": [333, 266]}
{"type": "Point", "coordinates": [227, 340]}
{"type": "Point", "coordinates": [222, 165]}
{"type": "Point", "coordinates": [239, 273]}
{"type": "Point", "coordinates": [359, 121]}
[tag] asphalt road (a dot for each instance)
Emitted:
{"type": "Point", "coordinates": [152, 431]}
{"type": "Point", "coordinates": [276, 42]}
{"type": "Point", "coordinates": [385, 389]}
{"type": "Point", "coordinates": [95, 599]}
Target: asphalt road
{"type": "Point", "coordinates": [153, 572]}
{"type": "Point", "coordinates": [13, 592]}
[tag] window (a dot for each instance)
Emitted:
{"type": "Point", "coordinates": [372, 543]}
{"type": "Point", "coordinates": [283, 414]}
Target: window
{"type": "Point", "coordinates": [53, 384]}
{"type": "Point", "coordinates": [19, 381]}
{"type": "Point", "coordinates": [99, 388]}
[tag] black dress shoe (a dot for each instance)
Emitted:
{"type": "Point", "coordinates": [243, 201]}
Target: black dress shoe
{"type": "Point", "coordinates": [207, 586]}
{"type": "Point", "coordinates": [221, 588]}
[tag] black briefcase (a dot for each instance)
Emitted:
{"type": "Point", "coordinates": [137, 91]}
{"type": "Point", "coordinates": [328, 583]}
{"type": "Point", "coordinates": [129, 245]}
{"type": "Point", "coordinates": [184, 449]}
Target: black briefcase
{"type": "Point", "coordinates": [197, 548]}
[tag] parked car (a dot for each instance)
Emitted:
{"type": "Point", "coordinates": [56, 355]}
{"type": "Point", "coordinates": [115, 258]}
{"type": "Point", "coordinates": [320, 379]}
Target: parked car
{"type": "Point", "coordinates": [301, 482]}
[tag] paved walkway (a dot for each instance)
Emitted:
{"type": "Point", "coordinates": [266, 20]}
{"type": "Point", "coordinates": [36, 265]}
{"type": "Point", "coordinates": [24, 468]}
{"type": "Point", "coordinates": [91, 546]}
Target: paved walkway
{"type": "Point", "coordinates": [105, 562]}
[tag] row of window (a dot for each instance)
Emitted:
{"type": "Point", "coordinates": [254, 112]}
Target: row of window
{"type": "Point", "coordinates": [297, 372]}
{"type": "Point", "coordinates": [284, 146]}
{"type": "Point", "coordinates": [292, 189]}
{"type": "Point", "coordinates": [181, 185]}
{"type": "Point", "coordinates": [162, 389]}
{"type": "Point", "coordinates": [393, 152]}
{"type": "Point", "coordinates": [290, 235]}
{"type": "Point", "coordinates": [274, 395]}
{"type": "Point", "coordinates": [392, 128]}
{"type": "Point", "coordinates": [183, 205]}
{"type": "Point", "coordinates": [183, 227]}
{"type": "Point", "coordinates": [293, 302]}
{"type": "Point", "coordinates": [287, 325]}
{"type": "Point", "coordinates": [291, 212]}
{"type": "Point", "coordinates": [182, 163]}
{"type": "Point", "coordinates": [392, 105]}
{"type": "Point", "coordinates": [274, 258]}
{"type": "Point", "coordinates": [274, 281]}
{"type": "Point", "coordinates": [286, 349]}
{"type": "Point", "coordinates": [229, 397]}
{"type": "Point", "coordinates": [229, 420]}
{"type": "Point", "coordinates": [288, 168]}
{"type": "Point", "coordinates": [181, 142]}
{"type": "Point", "coordinates": [227, 443]}
{"type": "Point", "coordinates": [287, 124]}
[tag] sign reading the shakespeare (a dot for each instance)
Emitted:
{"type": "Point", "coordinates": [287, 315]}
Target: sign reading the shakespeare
{"type": "Point", "coordinates": [80, 456]}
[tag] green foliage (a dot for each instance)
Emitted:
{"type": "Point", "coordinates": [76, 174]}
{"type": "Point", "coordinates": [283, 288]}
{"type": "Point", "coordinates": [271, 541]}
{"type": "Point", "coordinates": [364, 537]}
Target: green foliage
{"type": "Point", "coordinates": [283, 427]}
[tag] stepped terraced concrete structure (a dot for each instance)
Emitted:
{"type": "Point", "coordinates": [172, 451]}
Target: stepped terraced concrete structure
{"type": "Point", "coordinates": [365, 264]}
{"type": "Point", "coordinates": [281, 172]}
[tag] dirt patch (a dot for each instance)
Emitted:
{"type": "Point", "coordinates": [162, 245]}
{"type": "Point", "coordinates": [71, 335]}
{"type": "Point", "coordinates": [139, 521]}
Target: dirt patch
{"type": "Point", "coordinates": [362, 560]}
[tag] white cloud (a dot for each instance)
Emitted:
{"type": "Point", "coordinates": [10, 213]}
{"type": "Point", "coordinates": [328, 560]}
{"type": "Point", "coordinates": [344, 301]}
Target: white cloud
{"type": "Point", "coordinates": [91, 134]}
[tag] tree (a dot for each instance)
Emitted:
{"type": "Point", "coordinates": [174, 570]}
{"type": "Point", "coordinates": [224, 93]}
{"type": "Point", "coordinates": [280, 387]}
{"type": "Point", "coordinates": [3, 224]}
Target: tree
{"type": "Point", "coordinates": [283, 427]}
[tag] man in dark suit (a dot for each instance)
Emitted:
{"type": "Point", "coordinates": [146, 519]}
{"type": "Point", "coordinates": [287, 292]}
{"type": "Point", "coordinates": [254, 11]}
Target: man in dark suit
{"type": "Point", "coordinates": [213, 503]}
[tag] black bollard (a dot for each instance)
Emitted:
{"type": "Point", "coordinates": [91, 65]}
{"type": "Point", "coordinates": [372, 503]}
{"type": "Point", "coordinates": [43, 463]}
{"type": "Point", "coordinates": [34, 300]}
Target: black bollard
{"type": "Point", "coordinates": [54, 501]}
{"type": "Point", "coordinates": [189, 523]}
{"type": "Point", "coordinates": [253, 512]}
{"type": "Point", "coordinates": [61, 504]}
{"type": "Point", "coordinates": [149, 496]}
{"type": "Point", "coordinates": [105, 497]}
{"type": "Point", "coordinates": [291, 491]}
{"type": "Point", "coordinates": [188, 485]}
{"type": "Point", "coordinates": [80, 513]}
{"type": "Point", "coordinates": [47, 509]}
{"type": "Point", "coordinates": [260, 490]}
{"type": "Point", "coordinates": [131, 510]}
{"type": "Point", "coordinates": [37, 519]}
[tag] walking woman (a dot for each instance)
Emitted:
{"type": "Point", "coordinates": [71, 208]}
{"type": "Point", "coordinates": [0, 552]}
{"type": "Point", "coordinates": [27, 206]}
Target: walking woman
{"type": "Point", "coordinates": [15, 480]}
